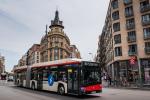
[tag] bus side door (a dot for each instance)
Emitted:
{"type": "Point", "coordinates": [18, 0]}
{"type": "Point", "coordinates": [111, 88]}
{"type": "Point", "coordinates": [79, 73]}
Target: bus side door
{"type": "Point", "coordinates": [73, 83]}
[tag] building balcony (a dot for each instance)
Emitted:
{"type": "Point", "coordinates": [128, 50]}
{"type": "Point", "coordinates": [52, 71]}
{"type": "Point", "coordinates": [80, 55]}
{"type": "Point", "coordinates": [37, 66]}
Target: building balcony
{"type": "Point", "coordinates": [131, 39]}
{"type": "Point", "coordinates": [147, 50]}
{"type": "Point", "coordinates": [130, 26]}
{"type": "Point", "coordinates": [147, 36]}
{"type": "Point", "coordinates": [129, 14]}
{"type": "Point", "coordinates": [145, 8]}
{"type": "Point", "coordinates": [132, 53]}
{"type": "Point", "coordinates": [146, 22]}
{"type": "Point", "coordinates": [127, 2]}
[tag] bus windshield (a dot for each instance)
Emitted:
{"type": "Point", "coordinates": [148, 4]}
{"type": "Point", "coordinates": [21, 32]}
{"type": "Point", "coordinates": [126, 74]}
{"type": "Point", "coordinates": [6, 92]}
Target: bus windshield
{"type": "Point", "coordinates": [91, 77]}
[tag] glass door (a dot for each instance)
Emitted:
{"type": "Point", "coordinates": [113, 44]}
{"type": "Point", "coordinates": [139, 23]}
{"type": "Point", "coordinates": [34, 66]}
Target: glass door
{"type": "Point", "coordinates": [73, 82]}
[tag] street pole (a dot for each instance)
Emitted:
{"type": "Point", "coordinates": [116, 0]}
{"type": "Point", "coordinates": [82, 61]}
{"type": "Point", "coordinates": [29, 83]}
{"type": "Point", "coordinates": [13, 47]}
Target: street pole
{"type": "Point", "coordinates": [139, 67]}
{"type": "Point", "coordinates": [91, 55]}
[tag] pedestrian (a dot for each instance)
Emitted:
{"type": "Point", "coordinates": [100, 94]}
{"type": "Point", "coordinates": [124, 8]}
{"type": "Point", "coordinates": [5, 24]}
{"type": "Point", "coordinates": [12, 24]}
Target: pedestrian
{"type": "Point", "coordinates": [110, 80]}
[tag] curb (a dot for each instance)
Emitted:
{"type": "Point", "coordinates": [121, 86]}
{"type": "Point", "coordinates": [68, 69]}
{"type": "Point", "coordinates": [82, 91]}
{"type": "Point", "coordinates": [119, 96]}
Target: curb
{"type": "Point", "coordinates": [130, 88]}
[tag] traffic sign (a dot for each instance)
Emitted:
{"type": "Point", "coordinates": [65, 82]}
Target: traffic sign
{"type": "Point", "coordinates": [132, 60]}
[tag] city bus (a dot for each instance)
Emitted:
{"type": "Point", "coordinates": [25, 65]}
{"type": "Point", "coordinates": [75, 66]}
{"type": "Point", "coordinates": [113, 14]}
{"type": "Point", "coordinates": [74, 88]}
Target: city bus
{"type": "Point", "coordinates": [66, 76]}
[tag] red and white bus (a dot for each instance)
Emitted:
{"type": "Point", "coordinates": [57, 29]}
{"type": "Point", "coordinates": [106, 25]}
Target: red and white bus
{"type": "Point", "coordinates": [66, 76]}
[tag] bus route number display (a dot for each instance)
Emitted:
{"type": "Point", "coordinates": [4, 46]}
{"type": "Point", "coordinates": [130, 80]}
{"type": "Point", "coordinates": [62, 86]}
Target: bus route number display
{"type": "Point", "coordinates": [90, 64]}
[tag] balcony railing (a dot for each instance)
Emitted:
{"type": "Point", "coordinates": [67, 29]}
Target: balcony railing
{"type": "Point", "coordinates": [145, 8]}
{"type": "Point", "coordinates": [147, 36]}
{"type": "Point", "coordinates": [126, 2]}
{"type": "Point", "coordinates": [128, 14]}
{"type": "Point", "coordinates": [131, 38]}
{"type": "Point", "coordinates": [147, 50]}
{"type": "Point", "coordinates": [130, 26]}
{"type": "Point", "coordinates": [145, 22]}
{"type": "Point", "coordinates": [131, 53]}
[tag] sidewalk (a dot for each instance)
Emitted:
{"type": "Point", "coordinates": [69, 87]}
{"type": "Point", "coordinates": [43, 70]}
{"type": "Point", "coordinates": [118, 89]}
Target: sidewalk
{"type": "Point", "coordinates": [132, 88]}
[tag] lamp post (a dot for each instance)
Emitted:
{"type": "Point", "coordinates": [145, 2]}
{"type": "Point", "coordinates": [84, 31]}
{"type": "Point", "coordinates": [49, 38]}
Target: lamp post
{"type": "Point", "coordinates": [91, 55]}
{"type": "Point", "coordinates": [139, 67]}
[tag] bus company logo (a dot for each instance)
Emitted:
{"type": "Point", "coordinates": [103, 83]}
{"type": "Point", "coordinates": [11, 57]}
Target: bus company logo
{"type": "Point", "coordinates": [50, 80]}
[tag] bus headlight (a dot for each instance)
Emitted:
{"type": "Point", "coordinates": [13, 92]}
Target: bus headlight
{"type": "Point", "coordinates": [82, 89]}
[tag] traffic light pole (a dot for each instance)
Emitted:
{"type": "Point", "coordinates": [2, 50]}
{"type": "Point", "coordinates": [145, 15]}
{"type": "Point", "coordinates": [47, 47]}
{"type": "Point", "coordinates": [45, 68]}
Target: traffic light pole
{"type": "Point", "coordinates": [139, 67]}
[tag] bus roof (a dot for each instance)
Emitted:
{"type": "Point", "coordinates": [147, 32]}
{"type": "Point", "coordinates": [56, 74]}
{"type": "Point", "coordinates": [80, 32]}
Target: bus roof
{"type": "Point", "coordinates": [57, 62]}
{"type": "Point", "coordinates": [51, 63]}
{"type": "Point", "coordinates": [20, 68]}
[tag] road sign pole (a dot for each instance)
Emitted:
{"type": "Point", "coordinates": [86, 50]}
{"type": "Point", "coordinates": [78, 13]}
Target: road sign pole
{"type": "Point", "coordinates": [140, 75]}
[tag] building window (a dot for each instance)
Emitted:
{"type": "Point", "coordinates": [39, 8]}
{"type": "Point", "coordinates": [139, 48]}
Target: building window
{"type": "Point", "coordinates": [147, 47]}
{"type": "Point", "coordinates": [146, 19]}
{"type": "Point", "coordinates": [61, 44]}
{"type": "Point", "coordinates": [126, 2]}
{"type": "Point", "coordinates": [37, 57]}
{"type": "Point", "coordinates": [117, 39]}
{"type": "Point", "coordinates": [146, 33]}
{"type": "Point", "coordinates": [51, 44]}
{"type": "Point", "coordinates": [132, 36]}
{"type": "Point", "coordinates": [56, 56]}
{"type": "Point", "coordinates": [118, 51]}
{"type": "Point", "coordinates": [129, 11]}
{"type": "Point", "coordinates": [115, 15]}
{"type": "Point", "coordinates": [116, 27]}
{"type": "Point", "coordinates": [132, 49]}
{"type": "Point", "coordinates": [145, 6]}
{"type": "Point", "coordinates": [61, 53]}
{"type": "Point", "coordinates": [50, 54]}
{"type": "Point", "coordinates": [130, 24]}
{"type": "Point", "coordinates": [115, 4]}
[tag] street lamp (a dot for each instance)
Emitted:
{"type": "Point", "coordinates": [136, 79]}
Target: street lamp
{"type": "Point", "coordinates": [139, 67]}
{"type": "Point", "coordinates": [91, 55]}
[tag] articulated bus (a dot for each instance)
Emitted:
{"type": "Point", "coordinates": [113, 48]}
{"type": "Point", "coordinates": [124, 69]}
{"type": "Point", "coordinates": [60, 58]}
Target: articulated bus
{"type": "Point", "coordinates": [66, 76]}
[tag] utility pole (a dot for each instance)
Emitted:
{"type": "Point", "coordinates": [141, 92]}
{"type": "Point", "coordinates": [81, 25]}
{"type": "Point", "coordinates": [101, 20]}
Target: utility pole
{"type": "Point", "coordinates": [91, 55]}
{"type": "Point", "coordinates": [140, 74]}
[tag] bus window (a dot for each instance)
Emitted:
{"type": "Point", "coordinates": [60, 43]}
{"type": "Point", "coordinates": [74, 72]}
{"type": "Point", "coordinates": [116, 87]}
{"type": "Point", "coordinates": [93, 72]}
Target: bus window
{"type": "Point", "coordinates": [54, 74]}
{"type": "Point", "coordinates": [62, 76]}
{"type": "Point", "coordinates": [91, 76]}
{"type": "Point", "coordinates": [33, 74]}
{"type": "Point", "coordinates": [45, 75]}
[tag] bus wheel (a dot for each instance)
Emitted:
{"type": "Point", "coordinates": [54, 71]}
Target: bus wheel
{"type": "Point", "coordinates": [61, 90]}
{"type": "Point", "coordinates": [33, 86]}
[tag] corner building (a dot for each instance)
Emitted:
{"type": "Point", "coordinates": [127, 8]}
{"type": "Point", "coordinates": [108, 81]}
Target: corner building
{"type": "Point", "coordinates": [55, 44]}
{"type": "Point", "coordinates": [126, 34]}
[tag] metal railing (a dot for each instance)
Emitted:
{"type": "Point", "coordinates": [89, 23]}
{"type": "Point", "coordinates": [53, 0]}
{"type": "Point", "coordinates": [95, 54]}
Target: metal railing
{"type": "Point", "coordinates": [145, 8]}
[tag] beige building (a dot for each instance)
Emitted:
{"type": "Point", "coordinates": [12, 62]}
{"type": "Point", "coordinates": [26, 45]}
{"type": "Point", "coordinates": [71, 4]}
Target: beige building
{"type": "Point", "coordinates": [74, 52]}
{"type": "Point", "coordinates": [55, 44]}
{"type": "Point", "coordinates": [23, 60]}
{"type": "Point", "coordinates": [126, 34]}
{"type": "Point", "coordinates": [2, 64]}
{"type": "Point", "coordinates": [33, 55]}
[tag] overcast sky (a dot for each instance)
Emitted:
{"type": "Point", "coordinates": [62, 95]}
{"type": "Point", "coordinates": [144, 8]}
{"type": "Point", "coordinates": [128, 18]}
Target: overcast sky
{"type": "Point", "coordinates": [22, 23]}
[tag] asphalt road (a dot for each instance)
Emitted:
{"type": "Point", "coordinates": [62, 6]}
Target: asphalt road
{"type": "Point", "coordinates": [17, 93]}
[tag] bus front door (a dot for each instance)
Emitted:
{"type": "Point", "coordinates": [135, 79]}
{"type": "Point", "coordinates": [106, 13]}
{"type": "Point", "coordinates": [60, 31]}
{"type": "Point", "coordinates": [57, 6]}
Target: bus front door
{"type": "Point", "coordinates": [73, 81]}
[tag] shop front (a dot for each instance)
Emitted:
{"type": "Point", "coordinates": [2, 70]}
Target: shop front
{"type": "Point", "coordinates": [145, 65]}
